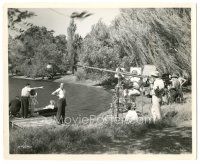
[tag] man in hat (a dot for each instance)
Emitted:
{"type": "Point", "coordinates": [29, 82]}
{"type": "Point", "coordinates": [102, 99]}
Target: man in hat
{"type": "Point", "coordinates": [25, 95]}
{"type": "Point", "coordinates": [61, 93]}
{"type": "Point", "coordinates": [157, 90]}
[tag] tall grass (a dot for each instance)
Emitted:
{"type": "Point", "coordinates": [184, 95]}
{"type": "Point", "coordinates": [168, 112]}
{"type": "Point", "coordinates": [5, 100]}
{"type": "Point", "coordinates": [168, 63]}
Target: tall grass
{"type": "Point", "coordinates": [87, 138]}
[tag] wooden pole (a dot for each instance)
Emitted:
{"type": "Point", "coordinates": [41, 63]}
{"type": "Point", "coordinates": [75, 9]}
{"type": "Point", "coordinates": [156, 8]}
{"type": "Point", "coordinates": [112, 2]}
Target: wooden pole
{"type": "Point", "coordinates": [142, 91]}
{"type": "Point", "coordinates": [142, 100]}
{"type": "Point", "coordinates": [117, 90]}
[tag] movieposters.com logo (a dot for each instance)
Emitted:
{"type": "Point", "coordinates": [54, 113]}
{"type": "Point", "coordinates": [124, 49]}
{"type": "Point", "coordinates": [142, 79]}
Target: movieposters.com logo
{"type": "Point", "coordinates": [92, 119]}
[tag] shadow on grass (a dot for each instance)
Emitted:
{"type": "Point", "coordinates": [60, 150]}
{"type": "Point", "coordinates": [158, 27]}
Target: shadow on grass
{"type": "Point", "coordinates": [167, 141]}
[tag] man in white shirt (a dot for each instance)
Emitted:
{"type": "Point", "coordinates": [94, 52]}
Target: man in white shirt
{"type": "Point", "coordinates": [25, 94]}
{"type": "Point", "coordinates": [61, 93]}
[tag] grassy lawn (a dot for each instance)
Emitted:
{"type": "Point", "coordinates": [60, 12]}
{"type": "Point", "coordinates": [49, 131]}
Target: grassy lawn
{"type": "Point", "coordinates": [172, 135]}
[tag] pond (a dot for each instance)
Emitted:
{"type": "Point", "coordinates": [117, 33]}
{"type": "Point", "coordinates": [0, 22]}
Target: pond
{"type": "Point", "coordinates": [81, 100]}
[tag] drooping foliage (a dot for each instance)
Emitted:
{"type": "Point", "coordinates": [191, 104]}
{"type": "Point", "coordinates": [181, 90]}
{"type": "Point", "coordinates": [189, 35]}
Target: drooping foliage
{"type": "Point", "coordinates": [136, 37]}
{"type": "Point", "coordinates": [155, 36]}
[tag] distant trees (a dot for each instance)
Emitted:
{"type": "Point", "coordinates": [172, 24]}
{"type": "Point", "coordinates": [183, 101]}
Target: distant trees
{"type": "Point", "coordinates": [38, 49]}
{"type": "Point", "coordinates": [98, 49]}
{"type": "Point", "coordinates": [136, 37]}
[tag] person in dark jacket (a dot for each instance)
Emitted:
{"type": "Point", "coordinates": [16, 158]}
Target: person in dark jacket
{"type": "Point", "coordinates": [14, 106]}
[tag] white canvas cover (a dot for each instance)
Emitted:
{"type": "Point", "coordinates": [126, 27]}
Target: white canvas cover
{"type": "Point", "coordinates": [148, 70]}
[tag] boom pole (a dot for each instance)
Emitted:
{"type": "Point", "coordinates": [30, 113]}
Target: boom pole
{"type": "Point", "coordinates": [111, 71]}
{"type": "Point", "coordinates": [119, 81]}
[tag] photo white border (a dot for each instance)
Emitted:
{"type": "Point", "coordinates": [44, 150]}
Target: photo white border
{"type": "Point", "coordinates": [101, 156]}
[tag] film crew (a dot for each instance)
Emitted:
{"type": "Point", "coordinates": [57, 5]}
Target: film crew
{"type": "Point", "coordinates": [157, 91]}
{"type": "Point", "coordinates": [25, 95]}
{"type": "Point", "coordinates": [61, 93]}
{"type": "Point", "coordinates": [14, 106]}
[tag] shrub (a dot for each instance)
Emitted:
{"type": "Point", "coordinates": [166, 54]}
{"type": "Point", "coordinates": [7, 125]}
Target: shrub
{"type": "Point", "coordinates": [81, 75]}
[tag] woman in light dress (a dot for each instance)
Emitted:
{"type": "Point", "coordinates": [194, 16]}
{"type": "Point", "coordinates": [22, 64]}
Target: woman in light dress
{"type": "Point", "coordinates": [157, 91]}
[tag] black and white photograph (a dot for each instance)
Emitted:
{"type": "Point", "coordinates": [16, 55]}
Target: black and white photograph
{"type": "Point", "coordinates": [90, 81]}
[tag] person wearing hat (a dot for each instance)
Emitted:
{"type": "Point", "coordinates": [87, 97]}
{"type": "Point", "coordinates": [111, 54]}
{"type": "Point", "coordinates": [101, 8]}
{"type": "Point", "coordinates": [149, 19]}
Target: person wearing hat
{"type": "Point", "coordinates": [61, 93]}
{"type": "Point", "coordinates": [25, 95]}
{"type": "Point", "coordinates": [157, 89]}
{"type": "Point", "coordinates": [175, 88]}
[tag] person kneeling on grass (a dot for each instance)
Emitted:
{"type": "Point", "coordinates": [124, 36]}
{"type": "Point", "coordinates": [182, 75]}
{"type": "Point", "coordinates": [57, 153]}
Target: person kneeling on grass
{"type": "Point", "coordinates": [61, 93]}
{"type": "Point", "coordinates": [14, 106]}
{"type": "Point", "coordinates": [131, 116]}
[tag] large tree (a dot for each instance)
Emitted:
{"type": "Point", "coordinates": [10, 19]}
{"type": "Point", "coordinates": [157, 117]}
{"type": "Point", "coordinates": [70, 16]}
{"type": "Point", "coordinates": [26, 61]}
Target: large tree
{"type": "Point", "coordinates": [38, 49]}
{"type": "Point", "coordinates": [74, 42]}
{"type": "Point", "coordinates": [70, 37]}
{"type": "Point", "coordinates": [99, 50]}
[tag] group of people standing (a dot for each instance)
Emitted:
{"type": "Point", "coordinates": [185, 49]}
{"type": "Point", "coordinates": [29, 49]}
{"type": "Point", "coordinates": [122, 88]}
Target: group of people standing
{"type": "Point", "coordinates": [171, 90]}
{"type": "Point", "coordinates": [25, 106]}
{"type": "Point", "coordinates": [160, 90]}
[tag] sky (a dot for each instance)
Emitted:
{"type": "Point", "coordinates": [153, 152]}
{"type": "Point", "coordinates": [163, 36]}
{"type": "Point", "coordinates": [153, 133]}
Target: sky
{"type": "Point", "coordinates": [58, 19]}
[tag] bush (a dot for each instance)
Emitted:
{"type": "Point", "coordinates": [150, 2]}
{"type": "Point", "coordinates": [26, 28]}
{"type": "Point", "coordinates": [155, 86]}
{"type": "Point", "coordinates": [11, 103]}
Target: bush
{"type": "Point", "coordinates": [81, 75]}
